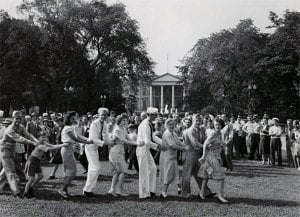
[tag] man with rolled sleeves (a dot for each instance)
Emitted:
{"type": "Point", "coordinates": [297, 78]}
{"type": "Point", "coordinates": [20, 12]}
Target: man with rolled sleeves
{"type": "Point", "coordinates": [98, 132]}
{"type": "Point", "coordinates": [275, 144]}
{"type": "Point", "coordinates": [13, 134]}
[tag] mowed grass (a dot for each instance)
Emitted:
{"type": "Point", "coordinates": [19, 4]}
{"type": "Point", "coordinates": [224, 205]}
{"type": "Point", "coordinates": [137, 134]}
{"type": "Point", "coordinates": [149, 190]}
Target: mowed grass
{"type": "Point", "coordinates": [252, 189]}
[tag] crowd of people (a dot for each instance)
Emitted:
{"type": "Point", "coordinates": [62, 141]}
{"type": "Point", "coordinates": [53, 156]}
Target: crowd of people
{"type": "Point", "coordinates": [148, 142]}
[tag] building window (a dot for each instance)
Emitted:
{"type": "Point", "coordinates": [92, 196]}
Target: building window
{"type": "Point", "coordinates": [144, 104]}
{"type": "Point", "coordinates": [144, 91]}
{"type": "Point", "coordinates": [156, 96]}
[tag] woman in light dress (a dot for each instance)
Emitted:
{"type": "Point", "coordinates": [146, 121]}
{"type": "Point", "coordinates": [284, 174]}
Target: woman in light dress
{"type": "Point", "coordinates": [69, 137]}
{"type": "Point", "coordinates": [168, 167]}
{"type": "Point", "coordinates": [117, 156]}
{"type": "Point", "coordinates": [211, 163]}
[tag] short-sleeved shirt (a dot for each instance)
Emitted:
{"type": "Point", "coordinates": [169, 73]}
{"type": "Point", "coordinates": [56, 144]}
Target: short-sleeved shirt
{"type": "Point", "coordinates": [65, 138]}
{"type": "Point", "coordinates": [39, 151]}
{"type": "Point", "coordinates": [13, 134]}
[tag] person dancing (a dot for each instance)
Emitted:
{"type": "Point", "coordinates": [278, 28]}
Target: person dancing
{"type": "Point", "coordinates": [168, 165]}
{"type": "Point", "coordinates": [211, 165]}
{"type": "Point", "coordinates": [13, 134]}
{"type": "Point", "coordinates": [69, 137]}
{"type": "Point", "coordinates": [147, 166]}
{"type": "Point", "coordinates": [98, 132]}
{"type": "Point", "coordinates": [117, 157]}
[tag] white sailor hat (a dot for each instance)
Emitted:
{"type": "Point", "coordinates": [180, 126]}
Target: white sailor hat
{"type": "Point", "coordinates": [100, 110]}
{"type": "Point", "coordinates": [16, 114]}
{"type": "Point", "coordinates": [275, 119]}
{"type": "Point", "coordinates": [152, 110]}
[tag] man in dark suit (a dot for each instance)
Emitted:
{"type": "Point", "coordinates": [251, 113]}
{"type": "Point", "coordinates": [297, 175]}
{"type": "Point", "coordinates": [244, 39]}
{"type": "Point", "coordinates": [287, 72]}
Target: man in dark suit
{"type": "Point", "coordinates": [33, 128]}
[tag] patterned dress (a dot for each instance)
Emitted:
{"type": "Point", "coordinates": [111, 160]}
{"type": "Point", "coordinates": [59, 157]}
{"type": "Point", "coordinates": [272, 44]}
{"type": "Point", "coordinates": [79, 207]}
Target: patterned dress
{"type": "Point", "coordinates": [212, 167]}
{"type": "Point", "coordinates": [117, 153]}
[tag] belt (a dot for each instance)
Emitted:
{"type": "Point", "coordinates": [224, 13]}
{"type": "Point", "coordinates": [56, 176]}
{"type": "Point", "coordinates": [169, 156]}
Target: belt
{"type": "Point", "coordinates": [275, 137]}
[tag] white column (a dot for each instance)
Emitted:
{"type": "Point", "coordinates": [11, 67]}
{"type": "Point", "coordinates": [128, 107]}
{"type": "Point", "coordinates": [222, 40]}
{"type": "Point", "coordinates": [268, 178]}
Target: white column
{"type": "Point", "coordinates": [162, 97]}
{"type": "Point", "coordinates": [184, 95]}
{"type": "Point", "coordinates": [173, 97]}
{"type": "Point", "coordinates": [151, 97]}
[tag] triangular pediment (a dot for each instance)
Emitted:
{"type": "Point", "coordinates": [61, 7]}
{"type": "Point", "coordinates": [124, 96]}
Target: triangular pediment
{"type": "Point", "coordinates": [166, 78]}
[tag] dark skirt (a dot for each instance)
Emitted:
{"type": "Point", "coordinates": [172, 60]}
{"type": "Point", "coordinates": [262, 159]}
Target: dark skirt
{"type": "Point", "coordinates": [264, 145]}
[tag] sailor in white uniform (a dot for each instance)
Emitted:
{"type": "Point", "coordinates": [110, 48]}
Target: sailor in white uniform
{"type": "Point", "coordinates": [145, 141]}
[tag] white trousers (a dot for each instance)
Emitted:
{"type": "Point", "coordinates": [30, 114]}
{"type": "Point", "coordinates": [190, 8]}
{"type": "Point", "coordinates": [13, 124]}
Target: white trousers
{"type": "Point", "coordinates": [147, 172]}
{"type": "Point", "coordinates": [93, 169]}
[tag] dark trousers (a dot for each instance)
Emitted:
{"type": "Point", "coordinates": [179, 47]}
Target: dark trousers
{"type": "Point", "coordinates": [242, 145]}
{"type": "Point", "coordinates": [289, 153]}
{"type": "Point", "coordinates": [236, 146]}
{"type": "Point", "coordinates": [133, 159]}
{"type": "Point", "coordinates": [229, 155]}
{"type": "Point", "coordinates": [275, 146]}
{"type": "Point", "coordinates": [83, 160]}
{"type": "Point", "coordinates": [191, 168]}
{"type": "Point", "coordinates": [103, 152]}
{"type": "Point", "coordinates": [254, 146]}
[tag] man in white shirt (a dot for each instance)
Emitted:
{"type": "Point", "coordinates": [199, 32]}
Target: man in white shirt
{"type": "Point", "coordinates": [255, 139]}
{"type": "Point", "coordinates": [249, 130]}
{"type": "Point", "coordinates": [275, 144]}
{"type": "Point", "coordinates": [98, 132]}
{"type": "Point", "coordinates": [147, 166]}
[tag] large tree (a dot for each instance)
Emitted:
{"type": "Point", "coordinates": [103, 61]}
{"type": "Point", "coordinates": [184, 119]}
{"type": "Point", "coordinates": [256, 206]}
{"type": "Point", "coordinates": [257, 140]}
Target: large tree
{"type": "Point", "coordinates": [220, 68]}
{"type": "Point", "coordinates": [89, 46]}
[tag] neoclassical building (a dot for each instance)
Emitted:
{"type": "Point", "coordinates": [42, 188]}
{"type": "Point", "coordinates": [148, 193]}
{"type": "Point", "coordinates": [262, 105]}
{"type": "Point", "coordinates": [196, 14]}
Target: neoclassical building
{"type": "Point", "coordinates": [166, 93]}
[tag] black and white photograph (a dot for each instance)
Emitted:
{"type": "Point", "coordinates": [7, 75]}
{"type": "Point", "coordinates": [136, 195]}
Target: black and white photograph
{"type": "Point", "coordinates": [145, 108]}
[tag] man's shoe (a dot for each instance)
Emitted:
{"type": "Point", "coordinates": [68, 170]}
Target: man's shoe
{"type": "Point", "coordinates": [31, 192]}
{"type": "Point", "coordinates": [152, 194]}
{"type": "Point", "coordinates": [88, 194]}
{"type": "Point", "coordinates": [19, 195]}
{"type": "Point", "coordinates": [52, 177]}
{"type": "Point", "coordinates": [27, 195]}
{"type": "Point", "coordinates": [211, 195]}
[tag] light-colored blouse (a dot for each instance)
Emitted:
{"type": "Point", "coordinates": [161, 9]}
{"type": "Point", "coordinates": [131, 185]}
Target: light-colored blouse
{"type": "Point", "coordinates": [65, 138]}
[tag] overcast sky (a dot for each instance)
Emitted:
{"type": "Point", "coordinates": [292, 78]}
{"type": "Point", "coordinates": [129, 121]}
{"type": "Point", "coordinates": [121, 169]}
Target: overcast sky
{"type": "Point", "coordinates": [172, 27]}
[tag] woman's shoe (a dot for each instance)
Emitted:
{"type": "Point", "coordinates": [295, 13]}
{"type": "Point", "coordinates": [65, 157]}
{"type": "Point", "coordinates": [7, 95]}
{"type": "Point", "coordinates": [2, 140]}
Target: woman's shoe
{"type": "Point", "coordinates": [63, 193]}
{"type": "Point", "coordinates": [122, 194]}
{"type": "Point", "coordinates": [112, 193]}
{"type": "Point", "coordinates": [163, 195]}
{"type": "Point", "coordinates": [222, 200]}
{"type": "Point", "coordinates": [52, 177]}
{"type": "Point", "coordinates": [200, 196]}
{"type": "Point", "coordinates": [179, 191]}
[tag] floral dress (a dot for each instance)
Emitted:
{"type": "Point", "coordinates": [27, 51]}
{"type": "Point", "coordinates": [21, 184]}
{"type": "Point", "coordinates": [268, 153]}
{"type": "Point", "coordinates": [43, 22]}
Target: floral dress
{"type": "Point", "coordinates": [212, 167]}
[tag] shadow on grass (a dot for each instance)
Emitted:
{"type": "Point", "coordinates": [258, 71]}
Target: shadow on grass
{"type": "Point", "coordinates": [105, 198]}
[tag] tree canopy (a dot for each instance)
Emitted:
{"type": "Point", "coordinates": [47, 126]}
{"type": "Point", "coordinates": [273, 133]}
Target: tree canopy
{"type": "Point", "coordinates": [88, 46]}
{"type": "Point", "coordinates": [241, 70]}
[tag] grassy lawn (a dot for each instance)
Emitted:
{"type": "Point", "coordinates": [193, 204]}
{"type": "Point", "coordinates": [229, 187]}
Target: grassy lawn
{"type": "Point", "coordinates": [252, 189]}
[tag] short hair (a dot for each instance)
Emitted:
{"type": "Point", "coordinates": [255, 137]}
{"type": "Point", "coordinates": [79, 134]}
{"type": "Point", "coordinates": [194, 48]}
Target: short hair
{"type": "Point", "coordinates": [196, 116]}
{"type": "Point", "coordinates": [68, 117]}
